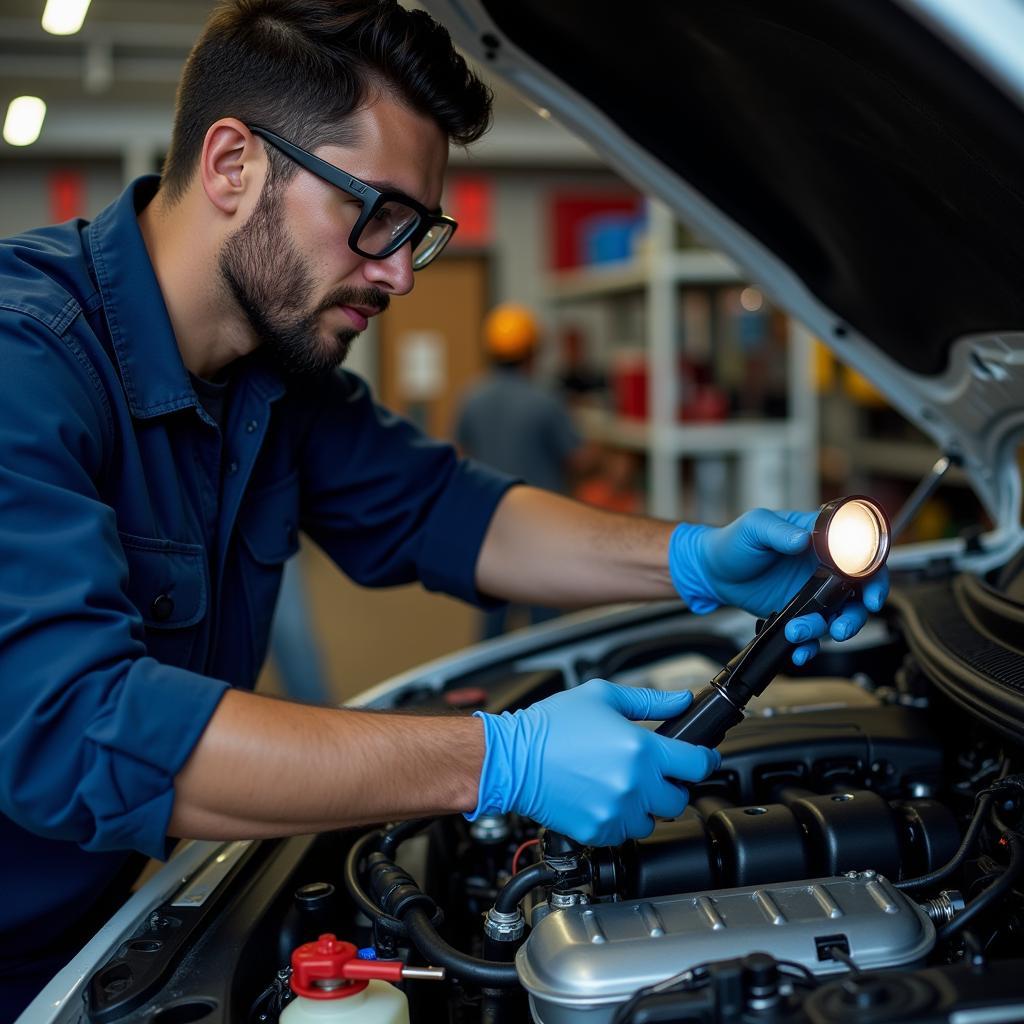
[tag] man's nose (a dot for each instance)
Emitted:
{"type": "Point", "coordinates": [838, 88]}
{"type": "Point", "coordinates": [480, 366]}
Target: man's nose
{"type": "Point", "coordinates": [394, 274]}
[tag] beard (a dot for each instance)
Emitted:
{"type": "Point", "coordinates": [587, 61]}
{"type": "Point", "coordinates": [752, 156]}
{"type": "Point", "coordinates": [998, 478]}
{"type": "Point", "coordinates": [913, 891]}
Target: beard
{"type": "Point", "coordinates": [273, 285]}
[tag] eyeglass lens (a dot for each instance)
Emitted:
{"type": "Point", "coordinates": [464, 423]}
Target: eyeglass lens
{"type": "Point", "coordinates": [431, 244]}
{"type": "Point", "coordinates": [392, 220]}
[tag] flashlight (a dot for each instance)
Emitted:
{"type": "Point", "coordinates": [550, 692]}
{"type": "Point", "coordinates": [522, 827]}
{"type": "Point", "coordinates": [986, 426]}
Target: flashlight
{"type": "Point", "coordinates": [851, 538]}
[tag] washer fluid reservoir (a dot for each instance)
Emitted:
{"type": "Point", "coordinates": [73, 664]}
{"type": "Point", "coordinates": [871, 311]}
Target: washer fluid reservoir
{"type": "Point", "coordinates": [332, 984]}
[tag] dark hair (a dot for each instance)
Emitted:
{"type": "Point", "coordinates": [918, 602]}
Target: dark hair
{"type": "Point", "coordinates": [301, 67]}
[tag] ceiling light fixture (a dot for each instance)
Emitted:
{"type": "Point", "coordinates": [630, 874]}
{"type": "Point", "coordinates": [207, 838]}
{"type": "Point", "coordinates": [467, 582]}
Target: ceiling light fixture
{"type": "Point", "coordinates": [64, 17]}
{"type": "Point", "coordinates": [24, 120]}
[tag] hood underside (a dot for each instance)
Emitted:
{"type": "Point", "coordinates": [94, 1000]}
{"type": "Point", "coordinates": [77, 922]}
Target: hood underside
{"type": "Point", "coordinates": [861, 168]}
{"type": "Point", "coordinates": [884, 170]}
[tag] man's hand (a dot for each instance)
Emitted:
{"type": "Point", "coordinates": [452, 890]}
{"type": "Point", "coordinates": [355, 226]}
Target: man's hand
{"type": "Point", "coordinates": [758, 562]}
{"type": "Point", "coordinates": [577, 764]}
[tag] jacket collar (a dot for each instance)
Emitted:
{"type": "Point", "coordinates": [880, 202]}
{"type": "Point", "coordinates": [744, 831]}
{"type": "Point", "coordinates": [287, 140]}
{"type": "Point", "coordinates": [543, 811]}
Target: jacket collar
{"type": "Point", "coordinates": [155, 379]}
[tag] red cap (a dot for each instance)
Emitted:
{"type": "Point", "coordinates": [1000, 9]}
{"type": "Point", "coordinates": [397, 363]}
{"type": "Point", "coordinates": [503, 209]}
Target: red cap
{"type": "Point", "coordinates": [327, 959]}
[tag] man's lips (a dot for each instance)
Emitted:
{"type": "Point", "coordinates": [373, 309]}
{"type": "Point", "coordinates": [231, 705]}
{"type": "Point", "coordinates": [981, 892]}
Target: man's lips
{"type": "Point", "coordinates": [360, 315]}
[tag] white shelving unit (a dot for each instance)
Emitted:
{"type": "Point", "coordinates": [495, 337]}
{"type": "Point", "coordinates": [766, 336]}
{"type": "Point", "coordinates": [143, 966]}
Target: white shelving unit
{"type": "Point", "coordinates": [777, 465]}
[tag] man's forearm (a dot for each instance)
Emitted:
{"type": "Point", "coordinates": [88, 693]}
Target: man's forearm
{"type": "Point", "coordinates": [265, 767]}
{"type": "Point", "coordinates": [542, 548]}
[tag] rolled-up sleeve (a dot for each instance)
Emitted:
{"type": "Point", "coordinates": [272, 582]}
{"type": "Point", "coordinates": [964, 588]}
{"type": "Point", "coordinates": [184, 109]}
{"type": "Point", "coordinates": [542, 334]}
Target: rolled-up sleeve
{"type": "Point", "coordinates": [92, 731]}
{"type": "Point", "coordinates": [390, 505]}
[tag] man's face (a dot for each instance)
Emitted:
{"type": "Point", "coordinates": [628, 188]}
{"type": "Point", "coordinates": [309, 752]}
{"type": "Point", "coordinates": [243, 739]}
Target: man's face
{"type": "Point", "coordinates": [303, 291]}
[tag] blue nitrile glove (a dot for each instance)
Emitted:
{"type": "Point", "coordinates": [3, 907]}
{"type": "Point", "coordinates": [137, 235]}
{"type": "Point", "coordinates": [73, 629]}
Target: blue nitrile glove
{"type": "Point", "coordinates": [758, 562]}
{"type": "Point", "coordinates": [576, 763]}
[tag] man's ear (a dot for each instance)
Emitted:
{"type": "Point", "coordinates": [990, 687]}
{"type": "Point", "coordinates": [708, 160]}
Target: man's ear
{"type": "Point", "coordinates": [233, 162]}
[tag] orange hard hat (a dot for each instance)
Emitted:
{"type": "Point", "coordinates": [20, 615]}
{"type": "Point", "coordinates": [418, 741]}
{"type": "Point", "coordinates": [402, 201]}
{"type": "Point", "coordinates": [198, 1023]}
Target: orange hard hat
{"type": "Point", "coordinates": [510, 332]}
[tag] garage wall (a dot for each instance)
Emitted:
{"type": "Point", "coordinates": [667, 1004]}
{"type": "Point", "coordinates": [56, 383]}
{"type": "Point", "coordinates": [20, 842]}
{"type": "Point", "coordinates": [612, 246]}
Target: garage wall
{"type": "Point", "coordinates": [25, 189]}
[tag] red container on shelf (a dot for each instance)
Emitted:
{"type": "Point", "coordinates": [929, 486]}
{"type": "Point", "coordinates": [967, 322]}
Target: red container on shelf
{"type": "Point", "coordinates": [708, 404]}
{"type": "Point", "coordinates": [629, 384]}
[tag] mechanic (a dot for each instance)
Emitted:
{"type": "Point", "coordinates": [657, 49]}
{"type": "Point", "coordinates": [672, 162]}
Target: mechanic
{"type": "Point", "coordinates": [170, 417]}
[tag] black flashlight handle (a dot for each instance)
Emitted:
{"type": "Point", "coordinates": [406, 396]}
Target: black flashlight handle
{"type": "Point", "coordinates": [719, 705]}
{"type": "Point", "coordinates": [750, 671]}
{"type": "Point", "coordinates": [706, 721]}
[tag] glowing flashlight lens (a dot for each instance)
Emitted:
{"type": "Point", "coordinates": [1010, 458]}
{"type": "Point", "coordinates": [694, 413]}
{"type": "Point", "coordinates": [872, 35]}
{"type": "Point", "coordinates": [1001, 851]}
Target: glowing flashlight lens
{"type": "Point", "coordinates": [854, 538]}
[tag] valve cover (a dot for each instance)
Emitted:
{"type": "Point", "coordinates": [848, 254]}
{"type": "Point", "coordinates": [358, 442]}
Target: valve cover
{"type": "Point", "coordinates": [580, 963]}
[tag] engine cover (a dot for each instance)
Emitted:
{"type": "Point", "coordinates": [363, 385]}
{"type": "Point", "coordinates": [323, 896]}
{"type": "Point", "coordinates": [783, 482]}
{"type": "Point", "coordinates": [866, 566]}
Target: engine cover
{"type": "Point", "coordinates": [580, 963]}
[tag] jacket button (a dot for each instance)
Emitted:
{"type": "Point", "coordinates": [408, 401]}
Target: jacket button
{"type": "Point", "coordinates": [162, 608]}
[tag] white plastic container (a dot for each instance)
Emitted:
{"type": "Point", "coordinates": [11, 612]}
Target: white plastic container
{"type": "Point", "coordinates": [379, 1003]}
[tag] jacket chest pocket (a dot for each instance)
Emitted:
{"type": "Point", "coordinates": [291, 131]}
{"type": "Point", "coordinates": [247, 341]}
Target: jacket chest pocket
{"type": "Point", "coordinates": [167, 583]}
{"type": "Point", "coordinates": [268, 525]}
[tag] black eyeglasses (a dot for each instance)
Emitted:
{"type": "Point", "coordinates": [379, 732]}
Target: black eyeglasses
{"type": "Point", "coordinates": [388, 219]}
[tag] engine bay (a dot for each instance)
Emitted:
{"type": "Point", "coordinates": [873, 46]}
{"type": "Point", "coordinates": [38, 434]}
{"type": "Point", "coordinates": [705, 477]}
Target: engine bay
{"type": "Point", "coordinates": [856, 857]}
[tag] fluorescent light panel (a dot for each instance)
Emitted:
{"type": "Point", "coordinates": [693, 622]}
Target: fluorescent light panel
{"type": "Point", "coordinates": [64, 17]}
{"type": "Point", "coordinates": [24, 120]}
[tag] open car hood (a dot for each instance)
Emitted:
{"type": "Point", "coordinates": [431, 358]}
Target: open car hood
{"type": "Point", "coordinates": [863, 162]}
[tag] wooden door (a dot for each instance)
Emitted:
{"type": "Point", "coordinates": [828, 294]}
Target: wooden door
{"type": "Point", "coordinates": [430, 347]}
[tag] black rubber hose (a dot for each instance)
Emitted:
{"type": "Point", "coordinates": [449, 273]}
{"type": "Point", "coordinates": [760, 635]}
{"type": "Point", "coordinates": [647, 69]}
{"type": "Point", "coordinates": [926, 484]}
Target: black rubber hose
{"type": "Point", "coordinates": [970, 836]}
{"type": "Point", "coordinates": [485, 973]}
{"type": "Point", "coordinates": [358, 893]}
{"type": "Point", "coordinates": [418, 927]}
{"type": "Point", "coordinates": [998, 888]}
{"type": "Point", "coordinates": [394, 835]}
{"type": "Point", "coordinates": [520, 884]}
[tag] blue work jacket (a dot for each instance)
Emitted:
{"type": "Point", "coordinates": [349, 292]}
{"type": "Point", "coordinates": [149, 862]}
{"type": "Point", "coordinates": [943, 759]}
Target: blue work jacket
{"type": "Point", "coordinates": [141, 550]}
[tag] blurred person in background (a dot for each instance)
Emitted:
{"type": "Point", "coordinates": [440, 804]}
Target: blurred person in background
{"type": "Point", "coordinates": [510, 422]}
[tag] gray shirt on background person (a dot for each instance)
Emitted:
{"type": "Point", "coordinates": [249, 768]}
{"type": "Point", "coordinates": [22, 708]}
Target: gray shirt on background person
{"type": "Point", "coordinates": [514, 425]}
